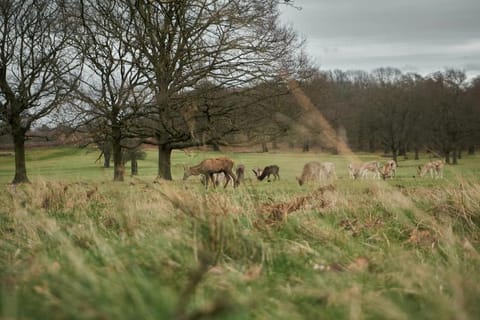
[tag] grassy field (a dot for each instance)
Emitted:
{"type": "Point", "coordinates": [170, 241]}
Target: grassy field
{"type": "Point", "coordinates": [75, 245]}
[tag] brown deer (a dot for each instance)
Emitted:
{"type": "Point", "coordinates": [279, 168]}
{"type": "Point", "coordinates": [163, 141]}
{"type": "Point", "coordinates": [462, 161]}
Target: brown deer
{"type": "Point", "coordinates": [267, 171]}
{"type": "Point", "coordinates": [209, 167]}
{"type": "Point", "coordinates": [240, 172]}
{"type": "Point", "coordinates": [218, 178]}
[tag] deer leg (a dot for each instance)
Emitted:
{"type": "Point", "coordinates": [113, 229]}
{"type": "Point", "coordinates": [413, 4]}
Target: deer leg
{"type": "Point", "coordinates": [229, 175]}
{"type": "Point", "coordinates": [235, 178]}
{"type": "Point", "coordinates": [227, 178]}
{"type": "Point", "coordinates": [214, 181]}
{"type": "Point", "coordinates": [209, 178]}
{"type": "Point", "coordinates": [205, 180]}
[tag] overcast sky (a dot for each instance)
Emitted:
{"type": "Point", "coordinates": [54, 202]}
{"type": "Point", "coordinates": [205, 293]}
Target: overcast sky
{"type": "Point", "coordinates": [420, 36]}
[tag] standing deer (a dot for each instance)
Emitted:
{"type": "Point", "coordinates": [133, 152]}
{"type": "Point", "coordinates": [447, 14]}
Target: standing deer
{"type": "Point", "coordinates": [371, 166]}
{"type": "Point", "coordinates": [435, 168]}
{"type": "Point", "coordinates": [329, 170]}
{"type": "Point", "coordinates": [439, 164]}
{"type": "Point", "coordinates": [354, 170]}
{"type": "Point", "coordinates": [361, 170]}
{"type": "Point", "coordinates": [389, 169]}
{"type": "Point", "coordinates": [267, 171]}
{"type": "Point", "coordinates": [209, 167]}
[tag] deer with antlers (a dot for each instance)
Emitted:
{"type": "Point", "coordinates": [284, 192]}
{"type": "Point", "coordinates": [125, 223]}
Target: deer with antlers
{"type": "Point", "coordinates": [267, 171]}
{"type": "Point", "coordinates": [209, 167]}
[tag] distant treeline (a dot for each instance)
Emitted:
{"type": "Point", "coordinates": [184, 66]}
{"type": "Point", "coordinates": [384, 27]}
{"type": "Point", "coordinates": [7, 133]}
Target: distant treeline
{"type": "Point", "coordinates": [396, 112]}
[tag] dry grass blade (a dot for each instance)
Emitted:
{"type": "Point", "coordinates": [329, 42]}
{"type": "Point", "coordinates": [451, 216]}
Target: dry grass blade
{"type": "Point", "coordinates": [278, 211]}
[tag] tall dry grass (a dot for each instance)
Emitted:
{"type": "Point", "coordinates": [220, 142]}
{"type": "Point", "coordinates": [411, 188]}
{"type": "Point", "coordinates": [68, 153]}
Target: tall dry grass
{"type": "Point", "coordinates": [146, 250]}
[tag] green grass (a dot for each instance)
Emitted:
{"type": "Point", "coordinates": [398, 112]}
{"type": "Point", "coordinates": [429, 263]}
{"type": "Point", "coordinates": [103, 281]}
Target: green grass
{"type": "Point", "coordinates": [75, 245]}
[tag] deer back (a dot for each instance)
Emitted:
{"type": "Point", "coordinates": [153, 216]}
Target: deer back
{"type": "Point", "coordinates": [311, 171]}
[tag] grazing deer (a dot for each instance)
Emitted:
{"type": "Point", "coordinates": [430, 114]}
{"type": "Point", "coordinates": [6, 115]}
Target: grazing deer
{"type": "Point", "coordinates": [312, 171]}
{"type": "Point", "coordinates": [428, 167]}
{"type": "Point", "coordinates": [435, 168]}
{"type": "Point", "coordinates": [389, 169]}
{"type": "Point", "coordinates": [209, 167]}
{"type": "Point", "coordinates": [354, 170]}
{"type": "Point", "coordinates": [267, 171]}
{"type": "Point", "coordinates": [329, 170]}
{"type": "Point", "coordinates": [240, 174]}
{"type": "Point", "coordinates": [371, 166]}
{"type": "Point", "coordinates": [439, 164]}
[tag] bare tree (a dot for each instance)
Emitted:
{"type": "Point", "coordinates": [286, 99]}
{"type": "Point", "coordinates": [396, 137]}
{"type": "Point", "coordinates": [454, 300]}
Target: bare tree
{"type": "Point", "coordinates": [179, 44]}
{"type": "Point", "coordinates": [447, 112]}
{"type": "Point", "coordinates": [112, 90]}
{"type": "Point", "coordinates": [472, 115]}
{"type": "Point", "coordinates": [416, 133]}
{"type": "Point", "coordinates": [37, 68]}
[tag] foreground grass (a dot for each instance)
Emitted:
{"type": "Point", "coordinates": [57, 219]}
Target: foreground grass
{"type": "Point", "coordinates": [86, 249]}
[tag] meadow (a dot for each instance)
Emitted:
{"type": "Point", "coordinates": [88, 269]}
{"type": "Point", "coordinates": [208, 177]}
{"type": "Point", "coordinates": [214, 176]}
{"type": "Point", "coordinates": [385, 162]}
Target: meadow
{"type": "Point", "coordinates": [76, 245]}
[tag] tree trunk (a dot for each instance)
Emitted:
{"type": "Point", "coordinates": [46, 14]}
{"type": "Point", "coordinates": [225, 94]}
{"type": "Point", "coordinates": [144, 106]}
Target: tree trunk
{"type": "Point", "coordinates": [459, 153]}
{"type": "Point", "coordinates": [215, 147]}
{"type": "Point", "coordinates": [134, 166]}
{"type": "Point", "coordinates": [471, 150]}
{"type": "Point", "coordinates": [447, 157]}
{"type": "Point", "coordinates": [106, 149]}
{"type": "Point", "coordinates": [394, 154]}
{"type": "Point", "coordinates": [106, 157]}
{"type": "Point", "coordinates": [386, 149]}
{"type": "Point", "coordinates": [118, 164]}
{"type": "Point", "coordinates": [371, 144]}
{"type": "Point", "coordinates": [403, 152]}
{"type": "Point", "coordinates": [20, 165]}
{"type": "Point", "coordinates": [416, 153]}
{"type": "Point", "coordinates": [274, 144]}
{"type": "Point", "coordinates": [264, 147]}
{"type": "Point", "coordinates": [454, 157]}
{"type": "Point", "coordinates": [164, 164]}
{"type": "Point", "coordinates": [306, 145]}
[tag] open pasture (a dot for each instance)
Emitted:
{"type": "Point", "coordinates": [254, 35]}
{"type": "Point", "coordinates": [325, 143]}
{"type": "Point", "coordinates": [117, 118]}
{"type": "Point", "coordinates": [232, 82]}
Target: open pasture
{"type": "Point", "coordinates": [75, 245]}
{"type": "Point", "coordinates": [74, 164]}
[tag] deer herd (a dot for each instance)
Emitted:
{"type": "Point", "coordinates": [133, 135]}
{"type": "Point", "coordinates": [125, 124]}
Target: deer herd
{"type": "Point", "coordinates": [218, 171]}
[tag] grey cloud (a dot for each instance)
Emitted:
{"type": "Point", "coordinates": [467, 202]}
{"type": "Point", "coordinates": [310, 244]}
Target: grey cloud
{"type": "Point", "coordinates": [373, 20]}
{"type": "Point", "coordinates": [420, 34]}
